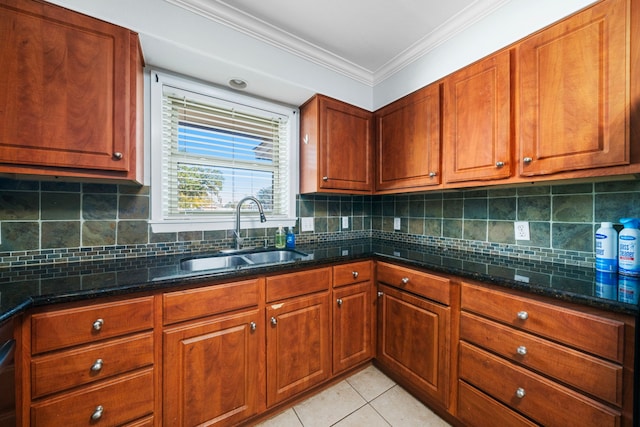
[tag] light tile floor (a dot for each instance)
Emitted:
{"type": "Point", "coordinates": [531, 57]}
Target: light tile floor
{"type": "Point", "coordinates": [367, 398]}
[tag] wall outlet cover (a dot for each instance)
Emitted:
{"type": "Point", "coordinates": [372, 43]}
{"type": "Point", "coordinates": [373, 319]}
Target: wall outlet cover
{"type": "Point", "coordinates": [521, 229]}
{"type": "Point", "coordinates": [396, 223]}
{"type": "Point", "coordinates": [345, 222]}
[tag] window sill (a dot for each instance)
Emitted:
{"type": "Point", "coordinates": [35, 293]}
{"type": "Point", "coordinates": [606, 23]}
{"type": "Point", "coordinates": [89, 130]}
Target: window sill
{"type": "Point", "coordinates": [173, 226]}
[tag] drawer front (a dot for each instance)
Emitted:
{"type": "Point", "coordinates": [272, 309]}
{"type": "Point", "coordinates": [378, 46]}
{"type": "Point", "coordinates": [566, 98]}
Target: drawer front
{"type": "Point", "coordinates": [63, 370]}
{"type": "Point", "coordinates": [542, 400]}
{"type": "Point", "coordinates": [595, 376]}
{"type": "Point", "coordinates": [476, 409]}
{"type": "Point", "coordinates": [299, 283]}
{"type": "Point", "coordinates": [424, 284]}
{"type": "Point", "coordinates": [194, 303]}
{"type": "Point", "coordinates": [65, 328]}
{"type": "Point", "coordinates": [124, 399]}
{"type": "Point", "coordinates": [348, 274]}
{"type": "Point", "coordinates": [593, 334]}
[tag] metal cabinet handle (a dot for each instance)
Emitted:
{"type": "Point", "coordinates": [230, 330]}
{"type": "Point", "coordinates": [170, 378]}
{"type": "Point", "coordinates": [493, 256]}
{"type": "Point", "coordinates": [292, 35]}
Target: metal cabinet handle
{"type": "Point", "coordinates": [355, 274]}
{"type": "Point", "coordinates": [97, 325]}
{"type": "Point", "coordinates": [117, 155]}
{"type": "Point", "coordinates": [325, 178]}
{"type": "Point", "coordinates": [405, 280]}
{"type": "Point", "coordinates": [527, 160]}
{"type": "Point", "coordinates": [433, 174]}
{"type": "Point", "coordinates": [274, 321]}
{"type": "Point", "coordinates": [520, 393]}
{"type": "Point", "coordinates": [253, 326]}
{"type": "Point", "coordinates": [521, 350]}
{"type": "Point", "coordinates": [97, 413]}
{"type": "Point", "coordinates": [499, 164]}
{"type": "Point", "coordinates": [339, 301]}
{"type": "Point", "coordinates": [523, 315]}
{"type": "Point", "coordinates": [380, 294]}
{"type": "Point", "coordinates": [97, 365]}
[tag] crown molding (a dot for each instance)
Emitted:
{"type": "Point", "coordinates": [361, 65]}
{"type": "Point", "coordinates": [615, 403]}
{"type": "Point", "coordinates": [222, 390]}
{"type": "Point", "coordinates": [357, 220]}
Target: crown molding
{"type": "Point", "coordinates": [242, 22]}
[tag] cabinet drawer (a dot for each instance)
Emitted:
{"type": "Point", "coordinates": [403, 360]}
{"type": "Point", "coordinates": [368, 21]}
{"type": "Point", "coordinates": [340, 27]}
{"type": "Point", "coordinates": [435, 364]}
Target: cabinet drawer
{"type": "Point", "coordinates": [299, 283]}
{"type": "Point", "coordinates": [65, 328]}
{"type": "Point", "coordinates": [123, 399]}
{"type": "Point", "coordinates": [70, 368]}
{"type": "Point", "coordinates": [476, 409]}
{"type": "Point", "coordinates": [201, 302]}
{"type": "Point", "coordinates": [595, 376]}
{"type": "Point", "coordinates": [598, 335]}
{"type": "Point", "coordinates": [355, 272]}
{"type": "Point", "coordinates": [544, 401]}
{"type": "Point", "coordinates": [427, 285]}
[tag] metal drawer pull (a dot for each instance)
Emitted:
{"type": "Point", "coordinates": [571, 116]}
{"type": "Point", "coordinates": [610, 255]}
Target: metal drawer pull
{"type": "Point", "coordinates": [355, 274]}
{"type": "Point", "coordinates": [405, 280]}
{"type": "Point", "coordinates": [274, 321]}
{"type": "Point", "coordinates": [339, 301]}
{"type": "Point", "coordinates": [499, 164]}
{"type": "Point", "coordinates": [527, 160]}
{"type": "Point", "coordinates": [520, 393]}
{"type": "Point", "coordinates": [380, 294]}
{"type": "Point", "coordinates": [117, 155]}
{"type": "Point", "coordinates": [522, 350]}
{"type": "Point", "coordinates": [97, 414]}
{"type": "Point", "coordinates": [433, 174]}
{"type": "Point", "coordinates": [325, 178]}
{"type": "Point", "coordinates": [97, 365]}
{"type": "Point", "coordinates": [253, 326]}
{"type": "Point", "coordinates": [97, 325]}
{"type": "Point", "coordinates": [523, 315]}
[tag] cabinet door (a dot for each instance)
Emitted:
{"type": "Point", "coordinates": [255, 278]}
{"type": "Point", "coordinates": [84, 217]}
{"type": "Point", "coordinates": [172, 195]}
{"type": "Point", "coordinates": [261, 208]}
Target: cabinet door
{"type": "Point", "coordinates": [477, 121]}
{"type": "Point", "coordinates": [211, 370]}
{"type": "Point", "coordinates": [298, 345]}
{"type": "Point", "coordinates": [408, 141]}
{"type": "Point", "coordinates": [413, 341]}
{"type": "Point", "coordinates": [572, 91]}
{"type": "Point", "coordinates": [352, 326]}
{"type": "Point", "coordinates": [67, 90]}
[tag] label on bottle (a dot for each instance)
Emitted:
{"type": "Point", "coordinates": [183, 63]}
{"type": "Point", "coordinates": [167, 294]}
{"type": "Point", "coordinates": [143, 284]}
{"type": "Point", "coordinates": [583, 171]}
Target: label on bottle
{"type": "Point", "coordinates": [628, 262]}
{"type": "Point", "coordinates": [606, 257]}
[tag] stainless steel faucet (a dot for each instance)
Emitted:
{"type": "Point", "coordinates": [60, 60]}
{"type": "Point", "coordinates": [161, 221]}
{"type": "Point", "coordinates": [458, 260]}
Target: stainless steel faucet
{"type": "Point", "coordinates": [239, 239]}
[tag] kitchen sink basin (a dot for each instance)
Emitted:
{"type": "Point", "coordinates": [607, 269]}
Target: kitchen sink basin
{"type": "Point", "coordinates": [241, 259]}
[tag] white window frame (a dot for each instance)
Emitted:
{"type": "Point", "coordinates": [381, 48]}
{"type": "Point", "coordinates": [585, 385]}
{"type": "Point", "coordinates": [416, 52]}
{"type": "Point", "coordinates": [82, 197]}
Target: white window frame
{"type": "Point", "coordinates": [160, 224]}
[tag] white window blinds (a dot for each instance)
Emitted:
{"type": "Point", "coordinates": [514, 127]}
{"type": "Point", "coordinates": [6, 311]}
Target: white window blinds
{"type": "Point", "coordinates": [216, 152]}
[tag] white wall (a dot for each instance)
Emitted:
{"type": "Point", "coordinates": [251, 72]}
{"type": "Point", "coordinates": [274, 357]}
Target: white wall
{"type": "Point", "coordinates": [183, 42]}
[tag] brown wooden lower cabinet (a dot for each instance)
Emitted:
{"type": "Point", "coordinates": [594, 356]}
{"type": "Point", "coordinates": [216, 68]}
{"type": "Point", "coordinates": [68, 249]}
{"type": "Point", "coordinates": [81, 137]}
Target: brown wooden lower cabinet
{"type": "Point", "coordinates": [413, 341]}
{"type": "Point", "coordinates": [298, 346]}
{"type": "Point", "coordinates": [212, 370]}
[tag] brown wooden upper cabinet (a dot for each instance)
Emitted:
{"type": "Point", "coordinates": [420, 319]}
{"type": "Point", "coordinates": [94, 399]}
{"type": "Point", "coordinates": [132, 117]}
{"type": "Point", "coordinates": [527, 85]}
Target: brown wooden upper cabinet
{"type": "Point", "coordinates": [335, 147]}
{"type": "Point", "coordinates": [70, 94]}
{"type": "Point", "coordinates": [477, 121]}
{"type": "Point", "coordinates": [573, 84]}
{"type": "Point", "coordinates": [408, 142]}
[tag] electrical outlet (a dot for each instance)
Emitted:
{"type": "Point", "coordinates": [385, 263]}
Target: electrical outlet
{"type": "Point", "coordinates": [521, 229]}
{"type": "Point", "coordinates": [396, 223]}
{"type": "Point", "coordinates": [345, 222]}
{"type": "Point", "coordinates": [306, 224]}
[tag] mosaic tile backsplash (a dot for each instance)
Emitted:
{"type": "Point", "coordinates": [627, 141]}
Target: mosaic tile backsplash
{"type": "Point", "coordinates": [48, 222]}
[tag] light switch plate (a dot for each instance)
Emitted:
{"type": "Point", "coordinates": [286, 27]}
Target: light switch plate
{"type": "Point", "coordinates": [345, 222]}
{"type": "Point", "coordinates": [306, 224]}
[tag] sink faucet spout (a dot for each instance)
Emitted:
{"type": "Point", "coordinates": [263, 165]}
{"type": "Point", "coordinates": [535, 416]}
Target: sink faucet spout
{"type": "Point", "coordinates": [239, 239]}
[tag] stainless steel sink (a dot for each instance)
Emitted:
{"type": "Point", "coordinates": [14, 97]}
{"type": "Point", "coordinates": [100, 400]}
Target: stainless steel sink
{"type": "Point", "coordinates": [241, 259]}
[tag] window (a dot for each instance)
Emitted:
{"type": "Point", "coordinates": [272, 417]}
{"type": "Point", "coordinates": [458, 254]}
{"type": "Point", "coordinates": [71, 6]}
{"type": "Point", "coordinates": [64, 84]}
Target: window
{"type": "Point", "coordinates": [210, 148]}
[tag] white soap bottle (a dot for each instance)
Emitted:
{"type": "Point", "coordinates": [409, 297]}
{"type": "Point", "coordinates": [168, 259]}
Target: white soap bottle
{"type": "Point", "coordinates": [607, 248]}
{"type": "Point", "coordinates": [629, 247]}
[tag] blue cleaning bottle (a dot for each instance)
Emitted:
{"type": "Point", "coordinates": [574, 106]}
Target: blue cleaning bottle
{"type": "Point", "coordinates": [291, 238]}
{"type": "Point", "coordinates": [629, 247]}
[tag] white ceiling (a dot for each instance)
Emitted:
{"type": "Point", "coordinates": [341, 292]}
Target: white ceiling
{"type": "Point", "coordinates": [367, 40]}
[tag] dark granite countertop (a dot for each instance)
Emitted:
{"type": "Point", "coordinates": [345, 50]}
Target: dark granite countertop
{"type": "Point", "coordinates": [32, 286]}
